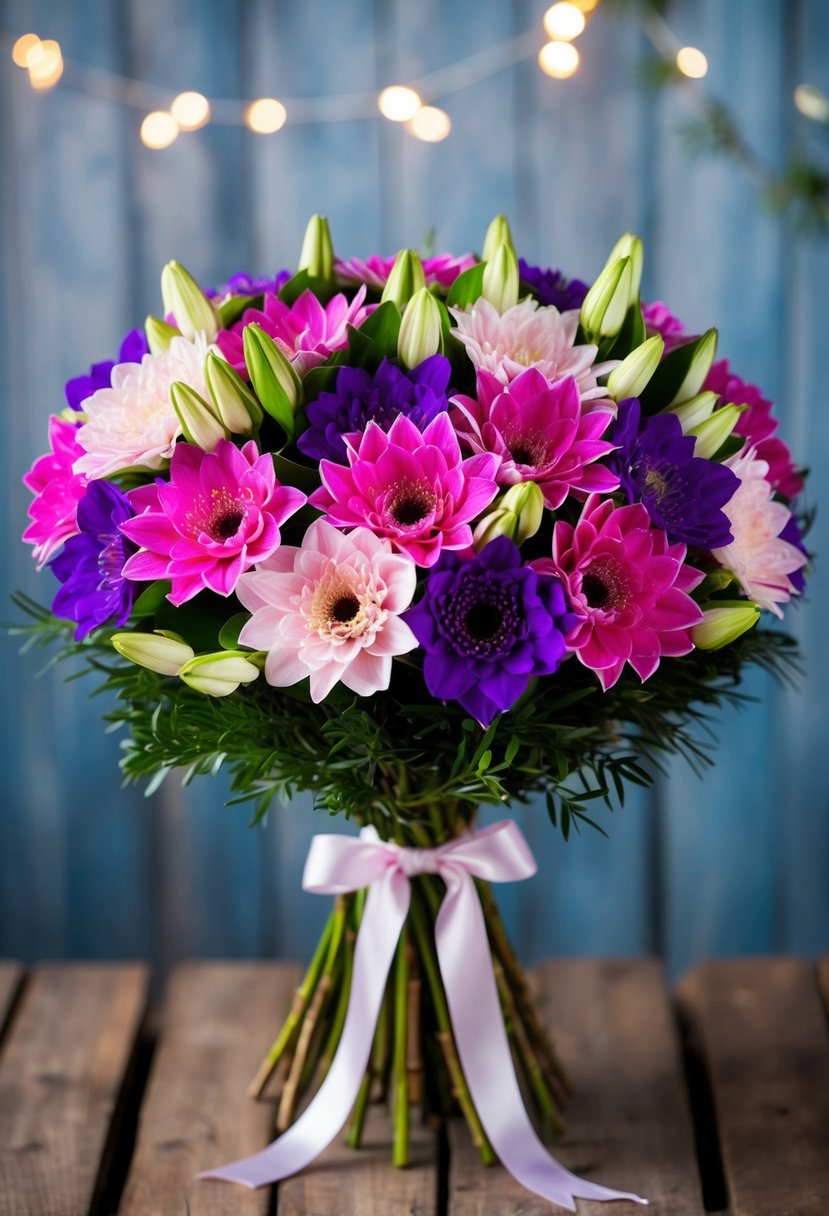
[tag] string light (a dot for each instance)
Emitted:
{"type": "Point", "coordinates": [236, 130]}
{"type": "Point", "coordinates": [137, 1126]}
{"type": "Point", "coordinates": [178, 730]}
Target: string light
{"type": "Point", "coordinates": [399, 103]}
{"type": "Point", "coordinates": [812, 103]}
{"type": "Point", "coordinates": [430, 124]}
{"type": "Point", "coordinates": [159, 129]}
{"type": "Point", "coordinates": [190, 110]}
{"type": "Point", "coordinates": [20, 51]}
{"type": "Point", "coordinates": [691, 62]}
{"type": "Point", "coordinates": [586, 6]}
{"type": "Point", "coordinates": [558, 59]}
{"type": "Point", "coordinates": [45, 64]}
{"type": "Point", "coordinates": [266, 115]}
{"type": "Point", "coordinates": [564, 21]}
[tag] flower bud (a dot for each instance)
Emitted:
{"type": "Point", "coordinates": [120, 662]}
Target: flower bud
{"type": "Point", "coordinates": [317, 254]}
{"type": "Point", "coordinates": [420, 329]}
{"type": "Point", "coordinates": [723, 622]}
{"type": "Point", "coordinates": [235, 405]}
{"type": "Point", "coordinates": [198, 422]}
{"type": "Point", "coordinates": [273, 377]}
{"type": "Point", "coordinates": [220, 674]}
{"type": "Point", "coordinates": [162, 651]}
{"type": "Point", "coordinates": [498, 233]}
{"type": "Point", "coordinates": [629, 246]}
{"type": "Point", "coordinates": [405, 279]}
{"type": "Point", "coordinates": [700, 366]}
{"type": "Point", "coordinates": [606, 303]}
{"type": "Point", "coordinates": [516, 515]}
{"type": "Point", "coordinates": [159, 334]}
{"type": "Point", "coordinates": [635, 372]}
{"type": "Point", "coordinates": [713, 432]}
{"type": "Point", "coordinates": [694, 411]}
{"type": "Point", "coordinates": [191, 308]}
{"type": "Point", "coordinates": [501, 279]}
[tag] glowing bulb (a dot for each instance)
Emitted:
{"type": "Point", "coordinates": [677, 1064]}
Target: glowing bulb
{"type": "Point", "coordinates": [398, 103]}
{"type": "Point", "coordinates": [191, 111]}
{"type": "Point", "coordinates": [159, 129]}
{"type": "Point", "coordinates": [586, 6]}
{"type": "Point", "coordinates": [266, 115]}
{"type": "Point", "coordinates": [691, 62]}
{"type": "Point", "coordinates": [564, 21]}
{"type": "Point", "coordinates": [45, 63]}
{"type": "Point", "coordinates": [20, 51]}
{"type": "Point", "coordinates": [430, 124]}
{"type": "Point", "coordinates": [811, 102]}
{"type": "Point", "coordinates": [558, 59]}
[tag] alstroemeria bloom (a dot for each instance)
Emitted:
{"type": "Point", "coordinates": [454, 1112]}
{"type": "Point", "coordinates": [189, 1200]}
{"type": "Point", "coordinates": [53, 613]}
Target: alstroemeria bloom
{"type": "Point", "coordinates": [330, 610]}
{"type": "Point", "coordinates": [219, 513]}
{"type": "Point", "coordinates": [410, 487]}
{"type": "Point", "coordinates": [306, 331]}
{"type": "Point", "coordinates": [759, 556]}
{"type": "Point", "coordinates": [539, 432]}
{"type": "Point", "coordinates": [133, 422]}
{"type": "Point", "coordinates": [627, 585]}
{"type": "Point", "coordinates": [442, 269]}
{"type": "Point", "coordinates": [57, 490]}
{"type": "Point", "coordinates": [529, 335]}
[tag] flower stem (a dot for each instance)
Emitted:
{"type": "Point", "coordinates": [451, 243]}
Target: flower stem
{"type": "Point", "coordinates": [401, 1080]}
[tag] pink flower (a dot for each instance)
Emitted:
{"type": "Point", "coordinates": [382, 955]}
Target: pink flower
{"type": "Point", "coordinates": [57, 490]}
{"type": "Point", "coordinates": [758, 426]}
{"type": "Point", "coordinates": [539, 432]}
{"type": "Point", "coordinates": [442, 269]}
{"type": "Point", "coordinates": [529, 335]}
{"type": "Point", "coordinates": [659, 319]}
{"type": "Point", "coordinates": [758, 556]}
{"type": "Point", "coordinates": [412, 488]}
{"type": "Point", "coordinates": [330, 610]}
{"type": "Point", "coordinates": [219, 513]}
{"type": "Point", "coordinates": [306, 331]}
{"type": "Point", "coordinates": [627, 585]}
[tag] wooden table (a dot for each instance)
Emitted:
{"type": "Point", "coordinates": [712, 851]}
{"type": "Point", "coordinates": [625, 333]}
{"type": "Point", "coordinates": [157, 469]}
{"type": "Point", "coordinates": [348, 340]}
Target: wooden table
{"type": "Point", "coordinates": [714, 1098]}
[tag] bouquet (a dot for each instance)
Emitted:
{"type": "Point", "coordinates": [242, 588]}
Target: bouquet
{"type": "Point", "coordinates": [416, 535]}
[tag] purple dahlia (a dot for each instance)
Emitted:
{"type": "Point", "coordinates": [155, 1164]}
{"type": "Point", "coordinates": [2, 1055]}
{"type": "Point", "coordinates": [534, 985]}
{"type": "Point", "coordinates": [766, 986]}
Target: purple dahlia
{"type": "Point", "coordinates": [551, 286]}
{"type": "Point", "coordinates": [488, 624]}
{"type": "Point", "coordinates": [133, 349]}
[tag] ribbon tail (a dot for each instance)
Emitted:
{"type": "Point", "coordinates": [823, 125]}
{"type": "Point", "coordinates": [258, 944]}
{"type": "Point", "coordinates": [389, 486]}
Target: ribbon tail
{"type": "Point", "coordinates": [383, 918]}
{"type": "Point", "coordinates": [483, 1047]}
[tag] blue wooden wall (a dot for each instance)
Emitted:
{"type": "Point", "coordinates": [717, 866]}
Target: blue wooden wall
{"type": "Point", "coordinates": [736, 863]}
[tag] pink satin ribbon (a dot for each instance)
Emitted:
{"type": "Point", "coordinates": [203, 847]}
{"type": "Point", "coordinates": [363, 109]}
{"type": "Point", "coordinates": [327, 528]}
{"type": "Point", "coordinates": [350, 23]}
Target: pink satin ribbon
{"type": "Point", "coordinates": [337, 864]}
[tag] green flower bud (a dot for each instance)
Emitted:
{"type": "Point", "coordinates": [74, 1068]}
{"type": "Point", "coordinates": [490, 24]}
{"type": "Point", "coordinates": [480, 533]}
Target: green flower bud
{"type": "Point", "coordinates": [501, 279]}
{"type": "Point", "coordinates": [634, 372]}
{"type": "Point", "coordinates": [317, 254]}
{"type": "Point", "coordinates": [629, 246]}
{"type": "Point", "coordinates": [694, 411]}
{"type": "Point", "coordinates": [220, 674]}
{"type": "Point", "coordinates": [516, 515]}
{"type": "Point", "coordinates": [703, 357]}
{"type": "Point", "coordinates": [420, 329]}
{"type": "Point", "coordinates": [235, 405]}
{"type": "Point", "coordinates": [405, 279]}
{"type": "Point", "coordinates": [606, 303]}
{"type": "Point", "coordinates": [159, 334]}
{"type": "Point", "coordinates": [198, 422]}
{"type": "Point", "coordinates": [273, 377]}
{"type": "Point", "coordinates": [191, 308]}
{"type": "Point", "coordinates": [498, 233]}
{"type": "Point", "coordinates": [712, 434]}
{"type": "Point", "coordinates": [162, 651]}
{"type": "Point", "coordinates": [723, 622]}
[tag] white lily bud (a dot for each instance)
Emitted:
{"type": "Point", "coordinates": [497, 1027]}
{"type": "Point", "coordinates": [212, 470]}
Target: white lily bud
{"type": "Point", "coordinates": [183, 297]}
{"type": "Point", "coordinates": [606, 303]}
{"type": "Point", "coordinates": [723, 622]}
{"type": "Point", "coordinates": [162, 651]}
{"type": "Point", "coordinates": [317, 254]}
{"type": "Point", "coordinates": [419, 329]}
{"type": "Point", "coordinates": [220, 674]}
{"type": "Point", "coordinates": [235, 405]}
{"type": "Point", "coordinates": [498, 233]}
{"type": "Point", "coordinates": [159, 334]}
{"type": "Point", "coordinates": [700, 366]}
{"type": "Point", "coordinates": [198, 422]}
{"type": "Point", "coordinates": [694, 411]}
{"type": "Point", "coordinates": [712, 434]}
{"type": "Point", "coordinates": [405, 279]}
{"type": "Point", "coordinates": [635, 372]}
{"type": "Point", "coordinates": [501, 279]}
{"type": "Point", "coordinates": [630, 246]}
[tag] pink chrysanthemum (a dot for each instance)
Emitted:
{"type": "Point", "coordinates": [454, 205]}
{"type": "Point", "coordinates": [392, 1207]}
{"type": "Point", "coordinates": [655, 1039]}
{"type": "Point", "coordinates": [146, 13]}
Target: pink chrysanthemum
{"type": "Point", "coordinates": [761, 560]}
{"type": "Point", "coordinates": [306, 331]}
{"type": "Point", "coordinates": [218, 515]}
{"type": "Point", "coordinates": [133, 422]}
{"type": "Point", "coordinates": [412, 488]}
{"type": "Point", "coordinates": [442, 269]}
{"type": "Point", "coordinates": [529, 335]}
{"type": "Point", "coordinates": [539, 432]}
{"type": "Point", "coordinates": [627, 585]}
{"type": "Point", "coordinates": [57, 490]}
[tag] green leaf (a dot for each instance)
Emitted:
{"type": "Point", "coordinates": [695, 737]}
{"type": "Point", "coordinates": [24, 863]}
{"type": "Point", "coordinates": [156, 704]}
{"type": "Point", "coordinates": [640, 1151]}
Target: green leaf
{"type": "Point", "coordinates": [382, 328]}
{"type": "Point", "coordinates": [292, 474]}
{"type": "Point", "coordinates": [323, 379]}
{"type": "Point", "coordinates": [303, 281]}
{"type": "Point", "coordinates": [235, 306]}
{"type": "Point", "coordinates": [467, 287]}
{"type": "Point", "coordinates": [151, 599]}
{"type": "Point", "coordinates": [668, 377]}
{"type": "Point", "coordinates": [229, 632]}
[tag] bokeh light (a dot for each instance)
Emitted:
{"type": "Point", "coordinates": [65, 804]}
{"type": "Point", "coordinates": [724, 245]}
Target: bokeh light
{"type": "Point", "coordinates": [190, 110]}
{"type": "Point", "coordinates": [430, 124]}
{"type": "Point", "coordinates": [398, 103]}
{"type": "Point", "coordinates": [265, 115]}
{"type": "Point", "coordinates": [558, 59]}
{"type": "Point", "coordinates": [159, 129]}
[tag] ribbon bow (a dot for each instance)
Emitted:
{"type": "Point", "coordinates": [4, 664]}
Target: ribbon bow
{"type": "Point", "coordinates": [337, 864]}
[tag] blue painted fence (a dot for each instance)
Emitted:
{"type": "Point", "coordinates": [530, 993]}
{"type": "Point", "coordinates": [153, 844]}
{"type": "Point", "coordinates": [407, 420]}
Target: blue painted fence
{"type": "Point", "coordinates": [739, 862]}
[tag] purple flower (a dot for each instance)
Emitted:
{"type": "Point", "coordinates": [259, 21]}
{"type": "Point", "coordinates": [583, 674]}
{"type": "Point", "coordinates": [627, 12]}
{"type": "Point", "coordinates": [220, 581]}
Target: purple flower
{"type": "Point", "coordinates": [488, 624]}
{"type": "Point", "coordinates": [133, 349]}
{"type": "Point", "coordinates": [684, 494]}
{"type": "Point", "coordinates": [91, 563]}
{"type": "Point", "coordinates": [360, 398]}
{"type": "Point", "coordinates": [551, 287]}
{"type": "Point", "coordinates": [242, 284]}
{"type": "Point", "coordinates": [794, 536]}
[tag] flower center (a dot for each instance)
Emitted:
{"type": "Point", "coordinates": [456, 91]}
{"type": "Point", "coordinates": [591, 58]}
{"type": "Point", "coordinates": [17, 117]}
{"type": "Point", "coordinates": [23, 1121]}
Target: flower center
{"type": "Point", "coordinates": [345, 609]}
{"type": "Point", "coordinates": [529, 450]}
{"type": "Point", "coordinates": [224, 526]}
{"type": "Point", "coordinates": [411, 503]}
{"type": "Point", "coordinates": [604, 587]}
{"type": "Point", "coordinates": [220, 516]}
{"type": "Point", "coordinates": [481, 619]}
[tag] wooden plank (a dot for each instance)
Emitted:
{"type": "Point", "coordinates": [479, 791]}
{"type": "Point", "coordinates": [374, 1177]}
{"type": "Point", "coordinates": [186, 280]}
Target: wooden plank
{"type": "Point", "coordinates": [10, 976]}
{"type": "Point", "coordinates": [61, 1072]}
{"type": "Point", "coordinates": [823, 979]}
{"type": "Point", "coordinates": [218, 1021]}
{"type": "Point", "coordinates": [762, 1032]}
{"type": "Point", "coordinates": [628, 1124]}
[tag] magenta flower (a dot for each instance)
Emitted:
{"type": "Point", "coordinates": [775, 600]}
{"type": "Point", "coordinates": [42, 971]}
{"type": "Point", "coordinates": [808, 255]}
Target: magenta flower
{"type": "Point", "coordinates": [219, 513]}
{"type": "Point", "coordinates": [539, 432]}
{"type": "Point", "coordinates": [410, 487]}
{"type": "Point", "coordinates": [306, 331]}
{"type": "Point", "coordinates": [659, 319]}
{"type": "Point", "coordinates": [57, 490]}
{"type": "Point", "coordinates": [442, 269]}
{"type": "Point", "coordinates": [628, 587]}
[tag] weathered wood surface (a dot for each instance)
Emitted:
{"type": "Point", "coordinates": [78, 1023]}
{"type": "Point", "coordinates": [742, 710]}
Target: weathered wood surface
{"type": "Point", "coordinates": [10, 977]}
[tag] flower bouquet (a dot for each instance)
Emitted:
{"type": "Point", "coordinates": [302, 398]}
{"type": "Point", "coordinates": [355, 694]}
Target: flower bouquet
{"type": "Point", "coordinates": [416, 535]}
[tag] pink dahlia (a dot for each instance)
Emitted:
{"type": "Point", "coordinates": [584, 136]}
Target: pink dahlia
{"type": "Point", "coordinates": [57, 490]}
{"type": "Point", "coordinates": [412, 488]}
{"type": "Point", "coordinates": [330, 610]}
{"type": "Point", "coordinates": [539, 432]}
{"type": "Point", "coordinates": [627, 585]}
{"type": "Point", "coordinates": [133, 423]}
{"type": "Point", "coordinates": [758, 426]}
{"type": "Point", "coordinates": [761, 559]}
{"type": "Point", "coordinates": [219, 513]}
{"type": "Point", "coordinates": [442, 269]}
{"type": "Point", "coordinates": [306, 331]}
{"type": "Point", "coordinates": [529, 335]}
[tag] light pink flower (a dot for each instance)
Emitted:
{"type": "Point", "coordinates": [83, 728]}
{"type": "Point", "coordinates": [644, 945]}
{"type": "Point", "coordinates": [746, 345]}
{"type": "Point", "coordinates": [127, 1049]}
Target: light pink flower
{"type": "Point", "coordinates": [627, 585]}
{"type": "Point", "coordinates": [529, 335]}
{"type": "Point", "coordinates": [412, 488]}
{"type": "Point", "coordinates": [330, 610]}
{"type": "Point", "coordinates": [539, 432]}
{"type": "Point", "coordinates": [57, 490]}
{"type": "Point", "coordinates": [442, 269]}
{"type": "Point", "coordinates": [761, 560]}
{"type": "Point", "coordinates": [306, 331]}
{"type": "Point", "coordinates": [133, 422]}
{"type": "Point", "coordinates": [219, 513]}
